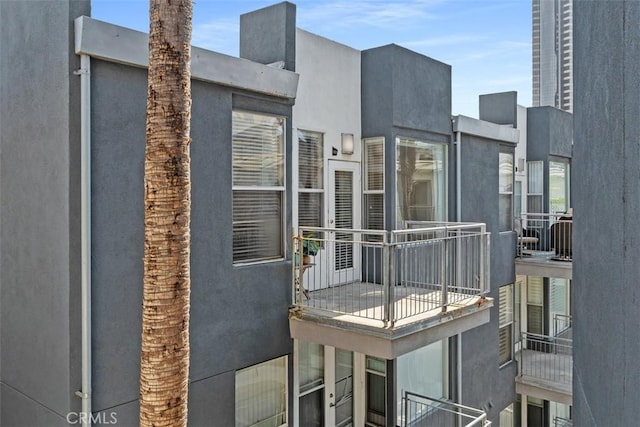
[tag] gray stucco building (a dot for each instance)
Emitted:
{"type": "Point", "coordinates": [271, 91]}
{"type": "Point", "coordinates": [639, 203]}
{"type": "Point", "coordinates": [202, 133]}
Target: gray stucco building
{"type": "Point", "coordinates": [302, 146]}
{"type": "Point", "coordinates": [606, 55]}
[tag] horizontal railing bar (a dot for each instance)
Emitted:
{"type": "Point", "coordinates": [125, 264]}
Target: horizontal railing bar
{"type": "Point", "coordinates": [445, 402]}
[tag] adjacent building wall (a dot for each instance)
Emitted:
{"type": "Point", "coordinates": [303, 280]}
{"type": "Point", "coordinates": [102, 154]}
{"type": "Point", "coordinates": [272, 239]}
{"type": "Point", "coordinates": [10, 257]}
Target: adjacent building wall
{"type": "Point", "coordinates": [485, 384]}
{"type": "Point", "coordinates": [232, 306]}
{"type": "Point", "coordinates": [40, 212]}
{"type": "Point", "coordinates": [606, 166]}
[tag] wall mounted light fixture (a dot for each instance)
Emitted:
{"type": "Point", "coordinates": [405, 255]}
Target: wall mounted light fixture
{"type": "Point", "coordinates": [347, 143]}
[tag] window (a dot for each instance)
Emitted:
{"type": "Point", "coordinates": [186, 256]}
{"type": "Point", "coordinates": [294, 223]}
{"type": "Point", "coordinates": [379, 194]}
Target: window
{"type": "Point", "coordinates": [505, 190]}
{"type": "Point", "coordinates": [311, 383]}
{"type": "Point", "coordinates": [536, 186]}
{"type": "Point", "coordinates": [505, 324]}
{"type": "Point", "coordinates": [261, 394]}
{"type": "Point", "coordinates": [423, 371]}
{"type": "Point", "coordinates": [535, 301]}
{"type": "Point", "coordinates": [373, 193]}
{"type": "Point", "coordinates": [420, 181]}
{"type": "Point", "coordinates": [558, 187]}
{"type": "Point", "coordinates": [376, 391]}
{"type": "Point", "coordinates": [506, 417]}
{"type": "Point", "coordinates": [517, 199]}
{"type": "Point", "coordinates": [258, 187]}
{"type": "Point", "coordinates": [310, 179]}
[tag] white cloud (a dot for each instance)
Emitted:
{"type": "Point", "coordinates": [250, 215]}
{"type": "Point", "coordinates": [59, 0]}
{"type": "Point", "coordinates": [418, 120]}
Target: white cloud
{"type": "Point", "coordinates": [448, 40]}
{"type": "Point", "coordinates": [381, 14]}
{"type": "Point", "coordinates": [219, 35]}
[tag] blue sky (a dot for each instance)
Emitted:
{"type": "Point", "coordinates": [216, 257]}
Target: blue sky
{"type": "Point", "coordinates": [487, 42]}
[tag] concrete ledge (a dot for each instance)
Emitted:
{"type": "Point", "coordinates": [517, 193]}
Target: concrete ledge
{"type": "Point", "coordinates": [373, 338]}
{"type": "Point", "coordinates": [125, 46]}
{"type": "Point", "coordinates": [544, 267]}
{"type": "Point", "coordinates": [543, 390]}
{"type": "Point", "coordinates": [483, 129]}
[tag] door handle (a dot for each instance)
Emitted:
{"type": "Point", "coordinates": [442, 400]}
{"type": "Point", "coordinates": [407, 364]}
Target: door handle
{"type": "Point", "coordinates": [330, 221]}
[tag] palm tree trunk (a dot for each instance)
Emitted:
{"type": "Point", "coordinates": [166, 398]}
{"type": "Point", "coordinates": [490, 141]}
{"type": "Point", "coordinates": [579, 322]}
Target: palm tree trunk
{"type": "Point", "coordinates": [164, 366]}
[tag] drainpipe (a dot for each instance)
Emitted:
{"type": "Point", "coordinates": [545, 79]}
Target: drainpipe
{"type": "Point", "coordinates": [459, 219]}
{"type": "Point", "coordinates": [85, 221]}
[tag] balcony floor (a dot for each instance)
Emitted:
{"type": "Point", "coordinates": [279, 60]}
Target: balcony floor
{"type": "Point", "coordinates": [548, 376]}
{"type": "Point", "coordinates": [353, 314]}
{"type": "Point", "coordinates": [365, 301]}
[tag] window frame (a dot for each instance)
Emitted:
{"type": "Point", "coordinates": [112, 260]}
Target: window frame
{"type": "Point", "coordinates": [365, 181]}
{"type": "Point", "coordinates": [508, 305]}
{"type": "Point", "coordinates": [505, 192]}
{"type": "Point", "coordinates": [313, 190]}
{"type": "Point", "coordinates": [440, 213]}
{"type": "Point", "coordinates": [278, 189]}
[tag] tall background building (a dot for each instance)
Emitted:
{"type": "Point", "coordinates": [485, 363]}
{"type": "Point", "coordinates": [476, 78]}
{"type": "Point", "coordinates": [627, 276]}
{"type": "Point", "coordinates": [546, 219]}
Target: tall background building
{"type": "Point", "coordinates": [552, 53]}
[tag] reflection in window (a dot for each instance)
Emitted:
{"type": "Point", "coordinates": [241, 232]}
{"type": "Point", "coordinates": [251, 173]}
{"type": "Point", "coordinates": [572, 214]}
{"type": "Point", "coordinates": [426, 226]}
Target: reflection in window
{"type": "Point", "coordinates": [420, 181]}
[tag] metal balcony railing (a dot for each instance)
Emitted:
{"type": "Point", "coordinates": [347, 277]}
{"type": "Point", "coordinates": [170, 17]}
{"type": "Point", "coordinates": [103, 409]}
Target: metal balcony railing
{"type": "Point", "coordinates": [391, 275]}
{"type": "Point", "coordinates": [562, 422]}
{"type": "Point", "coordinates": [545, 235]}
{"type": "Point", "coordinates": [546, 358]}
{"type": "Point", "coordinates": [422, 411]}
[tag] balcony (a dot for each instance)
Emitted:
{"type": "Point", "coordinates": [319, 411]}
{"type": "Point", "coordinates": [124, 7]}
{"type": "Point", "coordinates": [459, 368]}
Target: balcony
{"type": "Point", "coordinates": [545, 367]}
{"type": "Point", "coordinates": [386, 293]}
{"type": "Point", "coordinates": [422, 411]}
{"type": "Point", "coordinates": [544, 245]}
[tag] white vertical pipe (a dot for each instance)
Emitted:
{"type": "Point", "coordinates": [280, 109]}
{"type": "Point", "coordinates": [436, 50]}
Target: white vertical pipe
{"type": "Point", "coordinates": [459, 219]}
{"type": "Point", "coordinates": [85, 188]}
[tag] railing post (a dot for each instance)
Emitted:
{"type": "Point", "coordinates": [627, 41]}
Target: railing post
{"type": "Point", "coordinates": [388, 278]}
{"type": "Point", "coordinates": [405, 421]}
{"type": "Point", "coordinates": [443, 271]}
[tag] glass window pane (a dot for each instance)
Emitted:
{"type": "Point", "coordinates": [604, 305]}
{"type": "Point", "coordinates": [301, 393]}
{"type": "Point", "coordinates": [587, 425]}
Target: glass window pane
{"type": "Point", "coordinates": [505, 346]}
{"type": "Point", "coordinates": [312, 409]}
{"type": "Point", "coordinates": [310, 159]}
{"type": "Point", "coordinates": [517, 199]}
{"type": "Point", "coordinates": [310, 209]}
{"type": "Point", "coordinates": [558, 187]}
{"type": "Point", "coordinates": [376, 398]}
{"type": "Point", "coordinates": [258, 150]}
{"type": "Point", "coordinates": [505, 188]}
{"type": "Point", "coordinates": [420, 181]}
{"type": "Point", "coordinates": [261, 394]}
{"type": "Point", "coordinates": [506, 173]}
{"type": "Point", "coordinates": [311, 365]}
{"type": "Point", "coordinates": [257, 225]}
{"type": "Point", "coordinates": [506, 305]}
{"type": "Point", "coordinates": [374, 205]}
{"type": "Point", "coordinates": [373, 164]}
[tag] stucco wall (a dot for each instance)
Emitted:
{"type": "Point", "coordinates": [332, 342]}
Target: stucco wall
{"type": "Point", "coordinates": [39, 208]}
{"type": "Point", "coordinates": [403, 94]}
{"type": "Point", "coordinates": [607, 201]}
{"type": "Point", "coordinates": [484, 384]}
{"type": "Point", "coordinates": [232, 307]}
